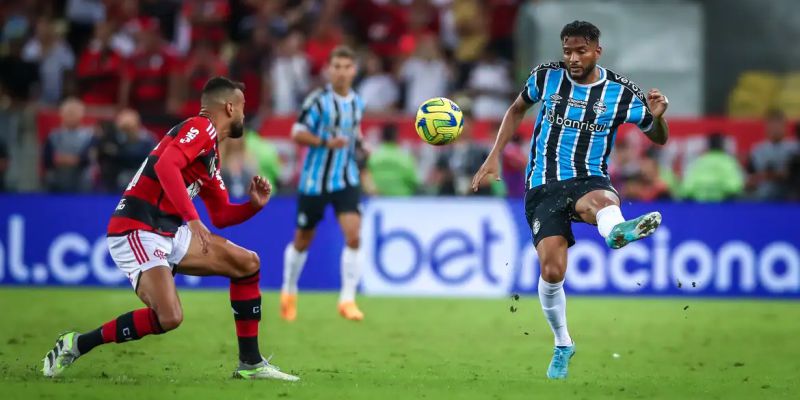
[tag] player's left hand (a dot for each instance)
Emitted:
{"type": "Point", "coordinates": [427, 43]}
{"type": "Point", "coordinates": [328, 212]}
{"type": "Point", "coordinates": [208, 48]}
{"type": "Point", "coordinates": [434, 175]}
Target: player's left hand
{"type": "Point", "coordinates": [259, 191]}
{"type": "Point", "coordinates": [657, 102]}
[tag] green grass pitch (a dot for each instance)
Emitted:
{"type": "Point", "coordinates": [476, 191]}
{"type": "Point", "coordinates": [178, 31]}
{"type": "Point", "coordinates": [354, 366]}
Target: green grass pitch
{"type": "Point", "coordinates": [413, 349]}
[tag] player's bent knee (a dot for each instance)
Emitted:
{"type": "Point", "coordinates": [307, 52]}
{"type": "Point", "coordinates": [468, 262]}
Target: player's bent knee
{"type": "Point", "coordinates": [247, 264]}
{"type": "Point", "coordinates": [253, 263]}
{"type": "Point", "coordinates": [171, 318]}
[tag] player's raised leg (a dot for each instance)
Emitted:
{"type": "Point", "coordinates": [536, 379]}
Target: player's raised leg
{"type": "Point", "coordinates": [294, 259]}
{"type": "Point", "coordinates": [156, 288]}
{"type": "Point", "coordinates": [350, 223]}
{"type": "Point", "coordinates": [601, 207]}
{"type": "Point", "coordinates": [552, 253]}
{"type": "Point", "coordinates": [221, 257]}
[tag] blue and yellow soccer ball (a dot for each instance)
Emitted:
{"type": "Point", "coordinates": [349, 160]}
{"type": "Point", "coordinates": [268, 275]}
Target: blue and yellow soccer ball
{"type": "Point", "coordinates": [439, 121]}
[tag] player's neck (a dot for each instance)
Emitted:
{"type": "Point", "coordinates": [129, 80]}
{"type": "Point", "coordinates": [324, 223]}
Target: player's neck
{"type": "Point", "coordinates": [591, 77]}
{"type": "Point", "coordinates": [221, 135]}
{"type": "Point", "coordinates": [341, 91]}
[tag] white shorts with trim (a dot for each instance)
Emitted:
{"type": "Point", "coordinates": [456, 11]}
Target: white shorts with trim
{"type": "Point", "coordinates": [141, 250]}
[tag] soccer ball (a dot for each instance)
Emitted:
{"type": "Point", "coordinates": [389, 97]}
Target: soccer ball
{"type": "Point", "coordinates": [439, 121]}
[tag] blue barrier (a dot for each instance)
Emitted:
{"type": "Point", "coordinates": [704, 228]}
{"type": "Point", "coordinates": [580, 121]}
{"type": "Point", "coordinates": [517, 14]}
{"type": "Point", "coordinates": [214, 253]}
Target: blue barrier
{"type": "Point", "coordinates": [440, 247]}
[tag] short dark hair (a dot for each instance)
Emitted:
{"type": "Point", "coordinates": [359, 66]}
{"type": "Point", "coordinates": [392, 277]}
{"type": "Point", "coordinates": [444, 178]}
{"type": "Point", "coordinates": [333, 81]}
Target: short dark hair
{"type": "Point", "coordinates": [342, 51]}
{"type": "Point", "coordinates": [583, 29]}
{"type": "Point", "coordinates": [389, 133]}
{"type": "Point", "coordinates": [217, 86]}
{"type": "Point", "coordinates": [716, 141]}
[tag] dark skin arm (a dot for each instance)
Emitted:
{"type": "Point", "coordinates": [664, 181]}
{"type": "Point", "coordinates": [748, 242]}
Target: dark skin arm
{"type": "Point", "coordinates": [658, 104]}
{"type": "Point", "coordinates": [510, 124]}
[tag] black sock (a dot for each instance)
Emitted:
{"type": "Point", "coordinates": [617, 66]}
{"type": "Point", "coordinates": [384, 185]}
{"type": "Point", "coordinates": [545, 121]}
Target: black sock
{"type": "Point", "coordinates": [89, 340]}
{"type": "Point", "coordinates": [248, 350]}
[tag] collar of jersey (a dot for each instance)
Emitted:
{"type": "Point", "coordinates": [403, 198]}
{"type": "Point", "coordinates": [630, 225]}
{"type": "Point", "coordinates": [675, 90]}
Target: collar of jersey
{"type": "Point", "coordinates": [595, 83]}
{"type": "Point", "coordinates": [349, 96]}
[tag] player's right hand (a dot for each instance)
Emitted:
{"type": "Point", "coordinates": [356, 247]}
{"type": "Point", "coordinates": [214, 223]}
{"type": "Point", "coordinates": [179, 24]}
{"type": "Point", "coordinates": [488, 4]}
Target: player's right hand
{"type": "Point", "coordinates": [200, 232]}
{"type": "Point", "coordinates": [490, 168]}
{"type": "Point", "coordinates": [337, 142]}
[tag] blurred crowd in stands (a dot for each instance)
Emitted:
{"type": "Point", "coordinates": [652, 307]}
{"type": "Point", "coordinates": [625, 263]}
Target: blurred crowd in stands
{"type": "Point", "coordinates": [142, 63]}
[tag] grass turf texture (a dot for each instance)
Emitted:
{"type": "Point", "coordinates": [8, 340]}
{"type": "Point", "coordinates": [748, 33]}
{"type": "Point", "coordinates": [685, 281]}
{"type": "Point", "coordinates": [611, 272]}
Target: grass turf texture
{"type": "Point", "coordinates": [413, 348]}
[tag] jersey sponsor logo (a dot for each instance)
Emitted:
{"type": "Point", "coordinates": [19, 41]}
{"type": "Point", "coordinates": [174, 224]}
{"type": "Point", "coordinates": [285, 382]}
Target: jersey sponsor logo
{"type": "Point", "coordinates": [555, 98]}
{"type": "Point", "coordinates": [599, 107]}
{"type": "Point", "coordinates": [158, 253]}
{"type": "Point", "coordinates": [121, 205]}
{"type": "Point", "coordinates": [218, 175]}
{"type": "Point", "coordinates": [561, 120]}
{"type": "Point", "coordinates": [193, 132]}
{"type": "Point", "coordinates": [576, 103]}
{"type": "Point", "coordinates": [628, 83]}
{"type": "Point", "coordinates": [551, 65]}
{"type": "Point", "coordinates": [194, 188]}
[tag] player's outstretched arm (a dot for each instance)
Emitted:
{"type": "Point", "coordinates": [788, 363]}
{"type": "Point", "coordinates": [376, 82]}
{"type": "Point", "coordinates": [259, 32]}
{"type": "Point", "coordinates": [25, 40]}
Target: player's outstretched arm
{"type": "Point", "coordinates": [223, 213]}
{"type": "Point", "coordinates": [508, 127]}
{"type": "Point", "coordinates": [658, 104]}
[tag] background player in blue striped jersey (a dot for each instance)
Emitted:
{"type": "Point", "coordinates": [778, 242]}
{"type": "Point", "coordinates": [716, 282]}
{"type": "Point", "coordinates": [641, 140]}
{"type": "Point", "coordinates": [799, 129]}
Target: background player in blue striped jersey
{"type": "Point", "coordinates": [567, 176]}
{"type": "Point", "coordinates": [329, 126]}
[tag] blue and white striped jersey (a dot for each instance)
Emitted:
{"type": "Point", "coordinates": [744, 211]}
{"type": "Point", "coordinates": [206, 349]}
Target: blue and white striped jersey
{"type": "Point", "coordinates": [327, 115]}
{"type": "Point", "coordinates": [577, 124]}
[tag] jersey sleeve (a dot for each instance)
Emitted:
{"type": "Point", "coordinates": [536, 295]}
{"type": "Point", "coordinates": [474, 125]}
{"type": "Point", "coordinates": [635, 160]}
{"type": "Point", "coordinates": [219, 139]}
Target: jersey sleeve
{"type": "Point", "coordinates": [195, 138]}
{"type": "Point", "coordinates": [534, 86]}
{"type": "Point", "coordinates": [190, 140]}
{"type": "Point", "coordinates": [311, 115]}
{"type": "Point", "coordinates": [639, 113]}
{"type": "Point", "coordinates": [223, 213]}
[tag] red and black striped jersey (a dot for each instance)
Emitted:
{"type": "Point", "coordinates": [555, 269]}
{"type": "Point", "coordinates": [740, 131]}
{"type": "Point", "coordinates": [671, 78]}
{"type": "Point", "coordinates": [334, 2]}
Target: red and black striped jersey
{"type": "Point", "coordinates": [145, 204]}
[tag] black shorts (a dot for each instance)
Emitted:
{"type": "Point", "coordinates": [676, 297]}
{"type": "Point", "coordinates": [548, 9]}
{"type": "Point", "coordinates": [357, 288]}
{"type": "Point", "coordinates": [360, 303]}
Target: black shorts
{"type": "Point", "coordinates": [550, 208]}
{"type": "Point", "coordinates": [311, 208]}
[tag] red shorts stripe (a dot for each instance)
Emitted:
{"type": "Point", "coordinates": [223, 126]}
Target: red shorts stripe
{"type": "Point", "coordinates": [141, 247]}
{"type": "Point", "coordinates": [134, 249]}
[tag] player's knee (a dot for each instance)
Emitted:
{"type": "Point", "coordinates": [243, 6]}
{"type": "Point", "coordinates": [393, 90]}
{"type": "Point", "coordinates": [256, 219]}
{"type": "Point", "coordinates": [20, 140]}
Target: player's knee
{"type": "Point", "coordinates": [170, 318]}
{"type": "Point", "coordinates": [247, 264]}
{"type": "Point", "coordinates": [301, 245]}
{"type": "Point", "coordinates": [552, 272]}
{"type": "Point", "coordinates": [353, 241]}
{"type": "Point", "coordinates": [302, 240]}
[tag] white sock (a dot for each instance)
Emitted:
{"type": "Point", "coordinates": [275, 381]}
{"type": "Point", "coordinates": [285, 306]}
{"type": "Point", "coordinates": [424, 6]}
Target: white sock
{"type": "Point", "coordinates": [554, 305]}
{"type": "Point", "coordinates": [293, 262]}
{"type": "Point", "coordinates": [351, 274]}
{"type": "Point", "coordinates": [607, 219]}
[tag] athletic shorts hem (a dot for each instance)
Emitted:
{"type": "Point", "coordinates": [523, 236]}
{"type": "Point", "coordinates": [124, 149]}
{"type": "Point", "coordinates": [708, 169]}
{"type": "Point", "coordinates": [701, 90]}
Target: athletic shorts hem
{"type": "Point", "coordinates": [550, 208]}
{"type": "Point", "coordinates": [140, 250]}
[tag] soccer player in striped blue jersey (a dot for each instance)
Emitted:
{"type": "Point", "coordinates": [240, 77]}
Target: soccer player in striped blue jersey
{"type": "Point", "coordinates": [329, 125]}
{"type": "Point", "coordinates": [583, 106]}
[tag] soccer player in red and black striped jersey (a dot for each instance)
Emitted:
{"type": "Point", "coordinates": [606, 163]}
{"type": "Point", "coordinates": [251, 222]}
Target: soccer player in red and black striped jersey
{"type": "Point", "coordinates": [155, 232]}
